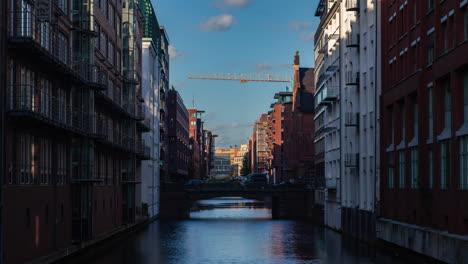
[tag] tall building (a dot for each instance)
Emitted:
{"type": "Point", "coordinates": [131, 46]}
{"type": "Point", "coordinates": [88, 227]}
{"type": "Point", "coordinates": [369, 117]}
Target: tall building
{"type": "Point", "coordinates": [279, 124]}
{"type": "Point", "coordinates": [259, 154]}
{"type": "Point", "coordinates": [179, 144]}
{"type": "Point", "coordinates": [151, 70]}
{"type": "Point", "coordinates": [210, 149]}
{"type": "Point", "coordinates": [346, 102]}
{"type": "Point", "coordinates": [74, 102]}
{"type": "Point", "coordinates": [198, 142]}
{"type": "Point", "coordinates": [163, 111]}
{"type": "Point", "coordinates": [424, 126]}
{"type": "Point", "coordinates": [299, 141]}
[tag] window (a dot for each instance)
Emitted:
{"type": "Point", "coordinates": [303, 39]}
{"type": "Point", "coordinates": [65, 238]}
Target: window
{"type": "Point", "coordinates": [62, 47]}
{"type": "Point", "coordinates": [414, 168]}
{"type": "Point", "coordinates": [103, 43]}
{"type": "Point", "coordinates": [430, 48]}
{"type": "Point", "coordinates": [193, 115]}
{"type": "Point", "coordinates": [402, 169]}
{"type": "Point", "coordinates": [447, 104]}
{"type": "Point", "coordinates": [465, 22]}
{"type": "Point", "coordinates": [464, 163]}
{"type": "Point", "coordinates": [431, 112]}
{"type": "Point", "coordinates": [97, 29]}
{"type": "Point", "coordinates": [63, 5]}
{"type": "Point", "coordinates": [444, 164]}
{"type": "Point", "coordinates": [430, 5]}
{"type": "Point", "coordinates": [111, 15]}
{"type": "Point", "coordinates": [111, 53]}
{"type": "Point", "coordinates": [193, 123]}
{"type": "Point", "coordinates": [403, 122]}
{"type": "Point", "coordinates": [118, 23]}
{"type": "Point", "coordinates": [465, 96]}
{"type": "Point", "coordinates": [431, 168]}
{"type": "Point", "coordinates": [117, 61]}
{"type": "Point", "coordinates": [104, 7]}
{"type": "Point", "coordinates": [445, 35]}
{"type": "Point", "coordinates": [415, 117]}
{"type": "Point", "coordinates": [61, 163]}
{"type": "Point", "coordinates": [24, 158]}
{"type": "Point", "coordinates": [391, 172]}
{"type": "Point", "coordinates": [45, 161]}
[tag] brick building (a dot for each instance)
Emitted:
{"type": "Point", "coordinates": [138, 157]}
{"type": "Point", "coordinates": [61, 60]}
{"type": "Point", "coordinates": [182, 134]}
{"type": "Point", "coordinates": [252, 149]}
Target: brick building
{"type": "Point", "coordinates": [179, 145]}
{"type": "Point", "coordinates": [299, 141]}
{"type": "Point", "coordinates": [73, 104]}
{"type": "Point", "coordinates": [279, 125]}
{"type": "Point", "coordinates": [424, 142]}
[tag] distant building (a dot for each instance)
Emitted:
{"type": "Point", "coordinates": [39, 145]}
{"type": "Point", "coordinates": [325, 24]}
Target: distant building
{"type": "Point", "coordinates": [179, 144]}
{"type": "Point", "coordinates": [222, 166]}
{"type": "Point", "coordinates": [259, 153]}
{"type": "Point", "coordinates": [239, 159]}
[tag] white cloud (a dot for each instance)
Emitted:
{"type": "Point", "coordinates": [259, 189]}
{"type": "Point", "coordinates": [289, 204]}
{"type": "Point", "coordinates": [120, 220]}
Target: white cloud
{"type": "Point", "coordinates": [174, 53]}
{"type": "Point", "coordinates": [233, 3]}
{"type": "Point", "coordinates": [219, 23]}
{"type": "Point", "coordinates": [299, 25]}
{"type": "Point", "coordinates": [263, 67]}
{"type": "Point", "coordinates": [308, 36]}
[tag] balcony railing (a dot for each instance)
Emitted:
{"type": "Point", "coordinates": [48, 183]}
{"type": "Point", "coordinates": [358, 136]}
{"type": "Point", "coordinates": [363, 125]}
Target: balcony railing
{"type": "Point", "coordinates": [145, 125]}
{"type": "Point", "coordinates": [96, 77]}
{"type": "Point", "coordinates": [352, 5]}
{"type": "Point", "coordinates": [30, 33]}
{"type": "Point", "coordinates": [352, 78]}
{"type": "Point", "coordinates": [351, 119]}
{"type": "Point", "coordinates": [352, 160]}
{"type": "Point", "coordinates": [327, 95]}
{"type": "Point", "coordinates": [140, 112]}
{"type": "Point", "coordinates": [131, 76]}
{"type": "Point", "coordinates": [142, 150]}
{"type": "Point", "coordinates": [352, 40]}
{"type": "Point", "coordinates": [27, 100]}
{"type": "Point", "coordinates": [330, 183]}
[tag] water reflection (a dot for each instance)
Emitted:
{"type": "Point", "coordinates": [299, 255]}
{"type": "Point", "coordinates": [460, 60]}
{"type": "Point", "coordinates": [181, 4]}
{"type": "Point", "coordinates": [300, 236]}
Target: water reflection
{"type": "Point", "coordinates": [235, 231]}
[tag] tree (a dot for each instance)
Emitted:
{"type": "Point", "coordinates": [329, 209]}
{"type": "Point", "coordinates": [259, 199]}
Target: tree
{"type": "Point", "coordinates": [245, 165]}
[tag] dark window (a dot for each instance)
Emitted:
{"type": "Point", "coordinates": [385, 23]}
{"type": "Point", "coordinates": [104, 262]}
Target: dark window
{"type": "Point", "coordinates": [430, 48]}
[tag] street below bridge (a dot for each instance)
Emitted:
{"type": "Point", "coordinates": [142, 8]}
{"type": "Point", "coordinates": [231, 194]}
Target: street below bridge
{"type": "Point", "coordinates": [236, 231]}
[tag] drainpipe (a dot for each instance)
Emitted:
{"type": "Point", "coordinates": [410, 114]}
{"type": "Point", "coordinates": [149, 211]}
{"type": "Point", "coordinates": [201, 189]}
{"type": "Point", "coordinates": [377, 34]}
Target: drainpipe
{"type": "Point", "coordinates": [2, 114]}
{"type": "Point", "coordinates": [377, 106]}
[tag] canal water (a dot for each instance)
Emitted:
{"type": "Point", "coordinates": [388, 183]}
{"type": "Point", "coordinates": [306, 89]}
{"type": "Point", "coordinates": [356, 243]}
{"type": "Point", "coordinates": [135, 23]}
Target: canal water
{"type": "Point", "coordinates": [236, 231]}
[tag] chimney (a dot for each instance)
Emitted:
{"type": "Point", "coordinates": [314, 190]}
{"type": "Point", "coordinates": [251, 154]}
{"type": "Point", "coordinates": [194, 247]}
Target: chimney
{"type": "Point", "coordinates": [296, 59]}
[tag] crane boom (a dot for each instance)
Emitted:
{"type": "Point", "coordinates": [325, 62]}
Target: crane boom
{"type": "Point", "coordinates": [243, 78]}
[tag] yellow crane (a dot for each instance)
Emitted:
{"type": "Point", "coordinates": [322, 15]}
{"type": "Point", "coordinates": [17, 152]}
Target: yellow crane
{"type": "Point", "coordinates": [241, 77]}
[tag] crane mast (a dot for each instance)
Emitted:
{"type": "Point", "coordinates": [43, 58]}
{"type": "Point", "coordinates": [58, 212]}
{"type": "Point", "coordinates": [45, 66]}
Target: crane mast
{"type": "Point", "coordinates": [241, 77]}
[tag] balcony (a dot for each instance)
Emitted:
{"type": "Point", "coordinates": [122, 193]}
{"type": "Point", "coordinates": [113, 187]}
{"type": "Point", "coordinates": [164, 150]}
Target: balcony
{"type": "Point", "coordinates": [142, 150]}
{"type": "Point", "coordinates": [327, 95]}
{"type": "Point", "coordinates": [131, 76]}
{"type": "Point", "coordinates": [27, 101]}
{"type": "Point", "coordinates": [352, 5]}
{"type": "Point", "coordinates": [351, 160]}
{"type": "Point", "coordinates": [351, 119]}
{"type": "Point", "coordinates": [96, 77]}
{"type": "Point", "coordinates": [33, 37]}
{"type": "Point", "coordinates": [145, 125]}
{"type": "Point", "coordinates": [140, 114]}
{"type": "Point", "coordinates": [112, 97]}
{"type": "Point", "coordinates": [352, 40]}
{"type": "Point", "coordinates": [352, 78]}
{"type": "Point", "coordinates": [330, 183]}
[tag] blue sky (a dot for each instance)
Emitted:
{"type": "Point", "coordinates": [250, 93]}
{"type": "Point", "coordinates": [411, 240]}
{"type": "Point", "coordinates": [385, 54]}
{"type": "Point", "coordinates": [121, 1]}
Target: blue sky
{"type": "Point", "coordinates": [235, 36]}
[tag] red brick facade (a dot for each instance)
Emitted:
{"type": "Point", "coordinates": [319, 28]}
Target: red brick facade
{"type": "Point", "coordinates": [424, 74]}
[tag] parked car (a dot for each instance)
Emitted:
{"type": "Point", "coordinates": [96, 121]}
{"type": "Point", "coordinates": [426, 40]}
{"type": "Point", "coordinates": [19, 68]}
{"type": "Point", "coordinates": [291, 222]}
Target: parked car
{"type": "Point", "coordinates": [194, 184]}
{"type": "Point", "coordinates": [255, 179]}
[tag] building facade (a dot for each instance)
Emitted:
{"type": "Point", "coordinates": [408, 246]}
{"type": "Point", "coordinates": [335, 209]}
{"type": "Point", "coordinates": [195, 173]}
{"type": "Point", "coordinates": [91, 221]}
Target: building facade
{"type": "Point", "coordinates": [163, 107]}
{"type": "Point", "coordinates": [179, 144]}
{"type": "Point", "coordinates": [279, 126]}
{"type": "Point", "coordinates": [259, 153]}
{"type": "Point", "coordinates": [74, 104]}
{"type": "Point", "coordinates": [222, 165]}
{"type": "Point", "coordinates": [424, 127]}
{"type": "Point", "coordinates": [151, 70]}
{"type": "Point", "coordinates": [346, 102]}
{"type": "Point", "coordinates": [299, 145]}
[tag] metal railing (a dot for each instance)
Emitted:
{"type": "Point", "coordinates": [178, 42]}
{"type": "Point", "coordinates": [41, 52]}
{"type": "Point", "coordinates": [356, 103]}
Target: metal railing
{"type": "Point", "coordinates": [352, 40]}
{"type": "Point", "coordinates": [352, 78]}
{"type": "Point", "coordinates": [352, 5]}
{"type": "Point", "coordinates": [28, 100]}
{"type": "Point", "coordinates": [352, 160]}
{"type": "Point", "coordinates": [351, 119]}
{"type": "Point", "coordinates": [26, 26]}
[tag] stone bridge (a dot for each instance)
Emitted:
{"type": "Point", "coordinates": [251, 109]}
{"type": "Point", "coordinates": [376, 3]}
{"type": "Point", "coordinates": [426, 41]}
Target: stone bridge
{"type": "Point", "coordinates": [286, 202]}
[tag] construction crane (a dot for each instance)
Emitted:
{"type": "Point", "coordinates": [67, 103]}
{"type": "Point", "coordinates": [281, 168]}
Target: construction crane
{"type": "Point", "coordinates": [243, 78]}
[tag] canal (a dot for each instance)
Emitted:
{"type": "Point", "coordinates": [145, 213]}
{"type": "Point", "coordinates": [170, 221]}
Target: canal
{"type": "Point", "coordinates": [236, 231]}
